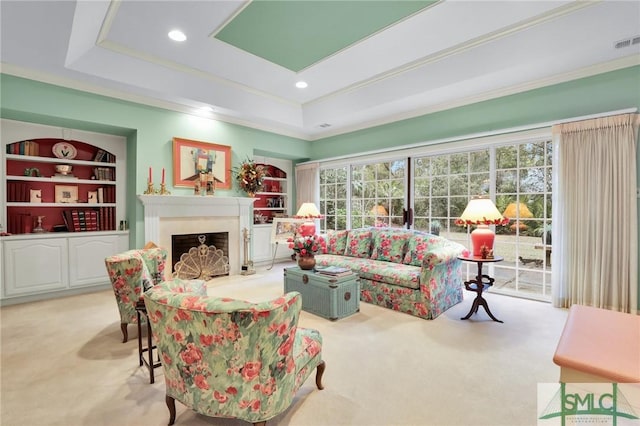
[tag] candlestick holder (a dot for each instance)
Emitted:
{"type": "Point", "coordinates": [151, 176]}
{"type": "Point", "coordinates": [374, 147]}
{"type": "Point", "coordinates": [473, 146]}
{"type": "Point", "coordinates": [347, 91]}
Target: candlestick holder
{"type": "Point", "coordinates": [150, 189]}
{"type": "Point", "coordinates": [163, 190]}
{"type": "Point", "coordinates": [39, 227]}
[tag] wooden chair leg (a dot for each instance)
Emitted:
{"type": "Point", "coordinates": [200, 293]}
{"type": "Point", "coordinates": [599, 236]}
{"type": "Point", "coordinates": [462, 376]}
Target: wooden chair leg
{"type": "Point", "coordinates": [125, 333]}
{"type": "Point", "coordinates": [319, 373]}
{"type": "Point", "coordinates": [171, 404]}
{"type": "Point", "coordinates": [260, 424]}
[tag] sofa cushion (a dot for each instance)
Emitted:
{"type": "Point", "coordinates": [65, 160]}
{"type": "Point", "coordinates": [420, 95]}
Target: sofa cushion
{"type": "Point", "coordinates": [358, 243]}
{"type": "Point", "coordinates": [389, 245]}
{"type": "Point", "coordinates": [336, 241]}
{"type": "Point", "coordinates": [419, 246]}
{"type": "Point", "coordinates": [388, 272]}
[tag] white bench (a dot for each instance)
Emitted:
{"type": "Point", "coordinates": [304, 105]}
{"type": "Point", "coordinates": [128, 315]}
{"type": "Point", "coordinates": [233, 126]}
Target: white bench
{"type": "Point", "coordinates": [599, 345]}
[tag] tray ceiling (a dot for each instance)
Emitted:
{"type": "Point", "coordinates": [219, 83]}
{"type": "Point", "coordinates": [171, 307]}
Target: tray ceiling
{"type": "Point", "coordinates": [365, 62]}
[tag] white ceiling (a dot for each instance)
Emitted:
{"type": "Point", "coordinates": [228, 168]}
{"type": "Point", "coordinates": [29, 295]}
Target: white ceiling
{"type": "Point", "coordinates": [451, 54]}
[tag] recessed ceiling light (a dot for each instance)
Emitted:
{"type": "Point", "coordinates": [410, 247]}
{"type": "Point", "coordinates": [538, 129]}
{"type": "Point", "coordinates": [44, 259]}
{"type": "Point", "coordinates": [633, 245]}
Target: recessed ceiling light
{"type": "Point", "coordinates": [177, 35]}
{"type": "Point", "coordinates": [301, 84]}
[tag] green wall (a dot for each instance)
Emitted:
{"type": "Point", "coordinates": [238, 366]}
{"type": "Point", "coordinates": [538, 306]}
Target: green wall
{"type": "Point", "coordinates": [149, 130]}
{"type": "Point", "coordinates": [149, 133]}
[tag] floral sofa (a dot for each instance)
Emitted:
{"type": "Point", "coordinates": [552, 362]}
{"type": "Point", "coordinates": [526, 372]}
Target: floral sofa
{"type": "Point", "coordinates": [225, 357]}
{"type": "Point", "coordinates": [400, 269]}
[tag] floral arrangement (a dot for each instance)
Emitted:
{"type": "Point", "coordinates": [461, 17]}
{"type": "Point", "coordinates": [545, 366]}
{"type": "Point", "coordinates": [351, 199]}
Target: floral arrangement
{"type": "Point", "coordinates": [307, 245]}
{"type": "Point", "coordinates": [250, 176]}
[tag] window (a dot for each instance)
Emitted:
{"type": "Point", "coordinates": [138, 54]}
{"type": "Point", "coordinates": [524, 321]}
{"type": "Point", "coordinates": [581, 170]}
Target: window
{"type": "Point", "coordinates": [523, 193]}
{"type": "Point", "coordinates": [517, 175]}
{"type": "Point", "coordinates": [378, 194]}
{"type": "Point", "coordinates": [443, 185]}
{"type": "Point", "coordinates": [333, 198]}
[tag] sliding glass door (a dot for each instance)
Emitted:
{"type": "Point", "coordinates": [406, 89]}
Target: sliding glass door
{"type": "Point", "coordinates": [430, 191]}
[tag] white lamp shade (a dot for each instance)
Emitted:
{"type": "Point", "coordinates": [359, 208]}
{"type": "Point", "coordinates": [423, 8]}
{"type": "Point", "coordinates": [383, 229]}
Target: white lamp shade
{"type": "Point", "coordinates": [308, 210]}
{"type": "Point", "coordinates": [481, 211]}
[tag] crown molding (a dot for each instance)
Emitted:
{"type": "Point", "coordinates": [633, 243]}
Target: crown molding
{"type": "Point", "coordinates": [625, 62]}
{"type": "Point", "coordinates": [69, 83]}
{"type": "Point", "coordinates": [628, 61]}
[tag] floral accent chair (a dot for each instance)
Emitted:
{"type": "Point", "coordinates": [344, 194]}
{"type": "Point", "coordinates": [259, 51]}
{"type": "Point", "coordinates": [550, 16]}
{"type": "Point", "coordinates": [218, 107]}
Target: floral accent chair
{"type": "Point", "coordinates": [131, 273]}
{"type": "Point", "coordinates": [224, 357]}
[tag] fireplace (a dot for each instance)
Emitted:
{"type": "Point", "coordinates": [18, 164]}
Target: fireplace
{"type": "Point", "coordinates": [200, 256]}
{"type": "Point", "coordinates": [168, 215]}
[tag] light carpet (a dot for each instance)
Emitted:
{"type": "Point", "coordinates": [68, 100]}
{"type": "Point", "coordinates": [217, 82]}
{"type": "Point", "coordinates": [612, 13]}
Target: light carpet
{"type": "Point", "coordinates": [63, 363]}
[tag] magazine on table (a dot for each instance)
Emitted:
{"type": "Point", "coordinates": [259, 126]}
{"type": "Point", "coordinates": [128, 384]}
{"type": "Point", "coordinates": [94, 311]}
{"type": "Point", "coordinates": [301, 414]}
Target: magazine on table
{"type": "Point", "coordinates": [334, 271]}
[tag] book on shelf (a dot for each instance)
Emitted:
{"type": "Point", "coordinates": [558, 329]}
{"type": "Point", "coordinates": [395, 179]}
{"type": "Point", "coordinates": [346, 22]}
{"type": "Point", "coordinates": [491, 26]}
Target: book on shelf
{"type": "Point", "coordinates": [100, 154]}
{"type": "Point", "coordinates": [83, 220]}
{"type": "Point", "coordinates": [92, 224]}
{"type": "Point", "coordinates": [19, 223]}
{"type": "Point", "coordinates": [68, 220]}
{"type": "Point", "coordinates": [103, 173]}
{"type": "Point", "coordinates": [334, 271]}
{"type": "Point", "coordinates": [18, 192]}
{"type": "Point", "coordinates": [23, 148]}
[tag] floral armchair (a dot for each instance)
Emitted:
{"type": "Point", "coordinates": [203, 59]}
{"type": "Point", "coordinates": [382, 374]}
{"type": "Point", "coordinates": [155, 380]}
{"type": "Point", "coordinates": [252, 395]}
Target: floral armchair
{"type": "Point", "coordinates": [230, 358]}
{"type": "Point", "coordinates": [131, 273]}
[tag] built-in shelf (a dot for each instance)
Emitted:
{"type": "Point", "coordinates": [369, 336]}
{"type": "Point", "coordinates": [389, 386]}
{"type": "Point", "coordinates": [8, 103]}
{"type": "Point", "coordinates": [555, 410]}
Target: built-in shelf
{"type": "Point", "coordinates": [68, 256]}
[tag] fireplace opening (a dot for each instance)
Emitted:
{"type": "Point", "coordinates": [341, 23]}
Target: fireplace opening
{"type": "Point", "coordinates": [200, 256]}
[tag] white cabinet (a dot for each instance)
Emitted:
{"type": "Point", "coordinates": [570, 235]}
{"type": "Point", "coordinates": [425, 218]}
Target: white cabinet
{"type": "Point", "coordinates": [86, 258]}
{"type": "Point", "coordinates": [35, 265]}
{"type": "Point", "coordinates": [262, 249]}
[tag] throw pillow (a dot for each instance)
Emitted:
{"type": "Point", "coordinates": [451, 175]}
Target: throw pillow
{"type": "Point", "coordinates": [336, 241]}
{"type": "Point", "coordinates": [389, 245]}
{"type": "Point", "coordinates": [417, 249]}
{"type": "Point", "coordinates": [358, 243]}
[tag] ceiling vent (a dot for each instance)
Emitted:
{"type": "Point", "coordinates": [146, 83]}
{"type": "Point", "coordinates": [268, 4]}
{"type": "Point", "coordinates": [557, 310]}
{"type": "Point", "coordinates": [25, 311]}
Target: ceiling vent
{"type": "Point", "coordinates": [324, 125]}
{"type": "Point", "coordinates": [627, 42]}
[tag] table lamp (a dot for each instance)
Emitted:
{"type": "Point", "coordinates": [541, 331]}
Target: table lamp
{"type": "Point", "coordinates": [379, 210]}
{"type": "Point", "coordinates": [481, 212]}
{"type": "Point", "coordinates": [517, 211]}
{"type": "Point", "coordinates": [381, 214]}
{"type": "Point", "coordinates": [308, 211]}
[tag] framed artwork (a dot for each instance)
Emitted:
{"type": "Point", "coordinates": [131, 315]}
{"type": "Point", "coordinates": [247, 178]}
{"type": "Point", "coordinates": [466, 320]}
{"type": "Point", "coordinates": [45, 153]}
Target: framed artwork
{"type": "Point", "coordinates": [190, 158]}
{"type": "Point", "coordinates": [284, 228]}
{"type": "Point", "coordinates": [66, 194]}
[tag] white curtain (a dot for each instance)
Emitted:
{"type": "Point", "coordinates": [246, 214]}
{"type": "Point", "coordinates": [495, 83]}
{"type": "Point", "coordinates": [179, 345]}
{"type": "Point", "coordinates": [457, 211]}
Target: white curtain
{"type": "Point", "coordinates": [595, 222]}
{"type": "Point", "coordinates": [307, 184]}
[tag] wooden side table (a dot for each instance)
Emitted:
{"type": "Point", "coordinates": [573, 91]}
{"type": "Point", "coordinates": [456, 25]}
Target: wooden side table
{"type": "Point", "coordinates": [141, 311]}
{"type": "Point", "coordinates": [481, 283]}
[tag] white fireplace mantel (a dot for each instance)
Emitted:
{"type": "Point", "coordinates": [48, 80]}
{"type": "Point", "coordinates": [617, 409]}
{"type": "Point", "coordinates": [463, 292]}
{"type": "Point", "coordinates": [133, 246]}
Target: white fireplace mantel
{"type": "Point", "coordinates": [211, 213]}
